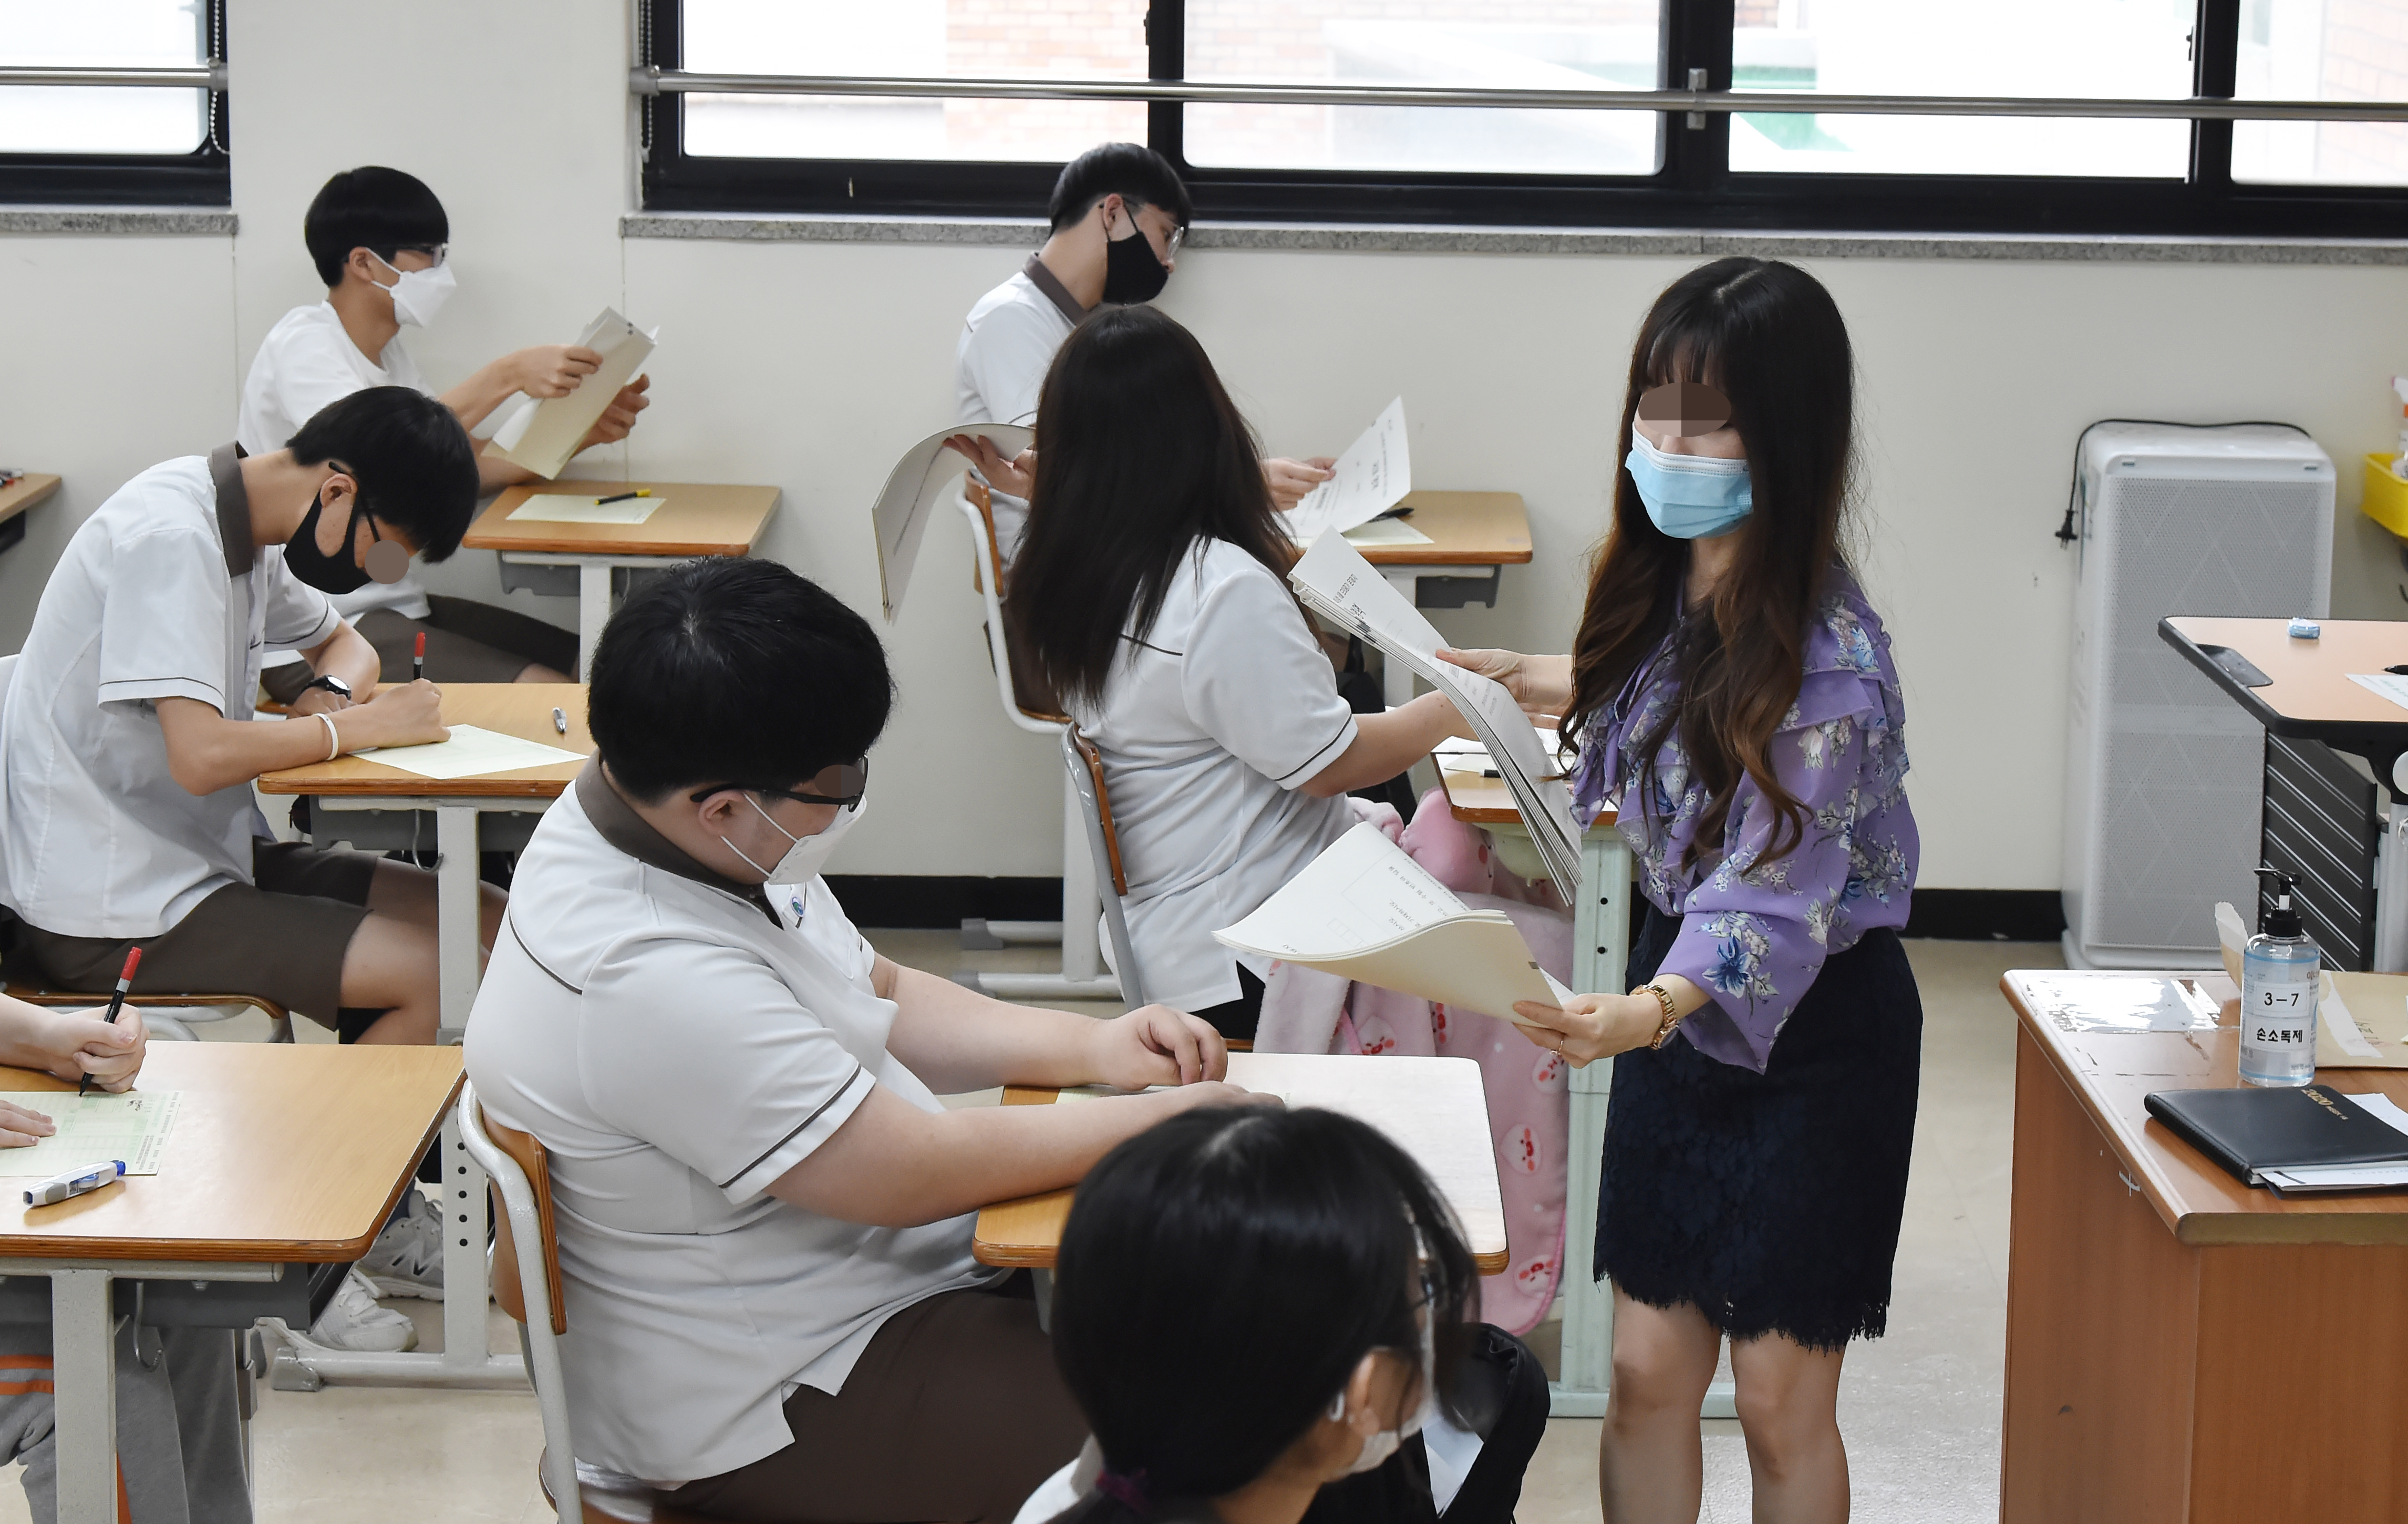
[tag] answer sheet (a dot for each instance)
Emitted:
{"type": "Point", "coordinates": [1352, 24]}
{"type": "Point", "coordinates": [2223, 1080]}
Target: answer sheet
{"type": "Point", "coordinates": [471, 753]}
{"type": "Point", "coordinates": [133, 1127]}
{"type": "Point", "coordinates": [1368, 481]}
{"type": "Point", "coordinates": [568, 507]}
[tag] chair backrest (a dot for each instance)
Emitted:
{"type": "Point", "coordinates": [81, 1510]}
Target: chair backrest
{"type": "Point", "coordinates": [534, 1167]}
{"type": "Point", "coordinates": [1026, 702]}
{"type": "Point", "coordinates": [1086, 767]}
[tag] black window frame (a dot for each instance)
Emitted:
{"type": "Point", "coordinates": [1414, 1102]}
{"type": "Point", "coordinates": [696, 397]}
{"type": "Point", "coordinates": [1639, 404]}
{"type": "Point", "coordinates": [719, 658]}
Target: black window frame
{"type": "Point", "coordinates": [1693, 188]}
{"type": "Point", "coordinates": [201, 178]}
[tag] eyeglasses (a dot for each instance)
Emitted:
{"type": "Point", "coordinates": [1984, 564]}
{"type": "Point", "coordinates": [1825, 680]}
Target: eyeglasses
{"type": "Point", "coordinates": [840, 784]}
{"type": "Point", "coordinates": [1171, 251]}
{"type": "Point", "coordinates": [1169, 245]}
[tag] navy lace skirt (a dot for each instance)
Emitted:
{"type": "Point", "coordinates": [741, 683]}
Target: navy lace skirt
{"type": "Point", "coordinates": [1769, 1202]}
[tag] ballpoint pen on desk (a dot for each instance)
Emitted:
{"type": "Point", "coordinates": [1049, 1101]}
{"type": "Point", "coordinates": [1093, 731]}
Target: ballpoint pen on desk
{"type": "Point", "coordinates": [621, 497]}
{"type": "Point", "coordinates": [559, 721]}
{"type": "Point", "coordinates": [116, 1004]}
{"type": "Point", "coordinates": [417, 660]}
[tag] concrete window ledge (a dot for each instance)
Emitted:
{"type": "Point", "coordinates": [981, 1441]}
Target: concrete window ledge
{"type": "Point", "coordinates": [120, 222]}
{"type": "Point", "coordinates": [1408, 239]}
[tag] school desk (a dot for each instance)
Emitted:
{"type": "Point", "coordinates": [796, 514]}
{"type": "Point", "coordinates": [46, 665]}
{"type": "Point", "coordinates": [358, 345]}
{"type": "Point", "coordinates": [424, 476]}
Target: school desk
{"type": "Point", "coordinates": [2181, 1347]}
{"type": "Point", "coordinates": [16, 497]}
{"type": "Point", "coordinates": [377, 807]}
{"type": "Point", "coordinates": [693, 519]}
{"type": "Point", "coordinates": [1473, 537]}
{"type": "Point", "coordinates": [283, 1158]}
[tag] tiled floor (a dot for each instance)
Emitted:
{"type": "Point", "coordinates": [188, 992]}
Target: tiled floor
{"type": "Point", "coordinates": [1920, 1408]}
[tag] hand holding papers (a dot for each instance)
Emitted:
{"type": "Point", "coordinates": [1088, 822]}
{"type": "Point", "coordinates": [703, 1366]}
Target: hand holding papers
{"type": "Point", "coordinates": [1373, 475]}
{"type": "Point", "coordinates": [1336, 583]}
{"type": "Point", "coordinates": [542, 435]}
{"type": "Point", "coordinates": [927, 473]}
{"type": "Point", "coordinates": [1362, 910]}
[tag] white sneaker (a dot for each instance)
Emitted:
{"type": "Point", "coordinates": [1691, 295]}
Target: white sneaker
{"type": "Point", "coordinates": [407, 1260]}
{"type": "Point", "coordinates": [354, 1321]}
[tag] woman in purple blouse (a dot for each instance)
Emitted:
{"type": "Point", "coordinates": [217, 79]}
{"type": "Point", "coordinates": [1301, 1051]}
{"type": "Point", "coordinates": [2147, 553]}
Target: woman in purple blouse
{"type": "Point", "coordinates": [1732, 695]}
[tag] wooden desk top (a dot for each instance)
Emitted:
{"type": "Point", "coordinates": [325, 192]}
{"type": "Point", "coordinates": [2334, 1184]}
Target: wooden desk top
{"type": "Point", "coordinates": [515, 709]}
{"type": "Point", "coordinates": [2112, 1072]}
{"type": "Point", "coordinates": [1486, 801]}
{"type": "Point", "coordinates": [25, 492]}
{"type": "Point", "coordinates": [2311, 686]}
{"type": "Point", "coordinates": [1466, 530]}
{"type": "Point", "coordinates": [1433, 1108]}
{"type": "Point", "coordinates": [281, 1152]}
{"type": "Point", "coordinates": [693, 519]}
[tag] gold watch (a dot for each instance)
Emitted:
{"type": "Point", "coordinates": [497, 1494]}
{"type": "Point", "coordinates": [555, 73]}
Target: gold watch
{"type": "Point", "coordinates": [1672, 1013]}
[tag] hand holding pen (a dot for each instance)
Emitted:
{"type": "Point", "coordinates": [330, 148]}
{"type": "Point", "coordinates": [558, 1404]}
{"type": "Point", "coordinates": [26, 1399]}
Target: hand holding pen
{"type": "Point", "coordinates": [417, 660]}
{"type": "Point", "coordinates": [116, 1004]}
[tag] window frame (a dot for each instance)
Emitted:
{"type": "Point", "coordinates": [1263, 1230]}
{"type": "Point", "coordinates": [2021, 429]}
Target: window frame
{"type": "Point", "coordinates": [1693, 188]}
{"type": "Point", "coordinates": [200, 177]}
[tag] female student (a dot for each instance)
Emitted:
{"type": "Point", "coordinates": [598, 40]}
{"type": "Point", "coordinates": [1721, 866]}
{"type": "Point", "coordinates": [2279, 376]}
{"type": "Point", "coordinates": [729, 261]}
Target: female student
{"type": "Point", "coordinates": [1733, 694]}
{"type": "Point", "coordinates": [1253, 1304]}
{"type": "Point", "coordinates": [1152, 592]}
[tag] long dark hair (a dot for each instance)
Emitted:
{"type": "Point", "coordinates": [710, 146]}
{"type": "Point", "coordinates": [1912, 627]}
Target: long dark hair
{"type": "Point", "coordinates": [1139, 454]}
{"type": "Point", "coordinates": [1221, 1276]}
{"type": "Point", "coordinates": [1771, 337]}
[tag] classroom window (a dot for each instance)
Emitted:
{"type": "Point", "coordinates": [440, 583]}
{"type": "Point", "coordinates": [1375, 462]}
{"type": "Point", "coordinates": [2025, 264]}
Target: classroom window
{"type": "Point", "coordinates": [135, 143]}
{"type": "Point", "coordinates": [2326, 51]}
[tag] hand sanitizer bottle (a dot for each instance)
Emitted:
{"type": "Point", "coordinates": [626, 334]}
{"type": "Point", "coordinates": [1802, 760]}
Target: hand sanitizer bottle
{"type": "Point", "coordinates": [2278, 995]}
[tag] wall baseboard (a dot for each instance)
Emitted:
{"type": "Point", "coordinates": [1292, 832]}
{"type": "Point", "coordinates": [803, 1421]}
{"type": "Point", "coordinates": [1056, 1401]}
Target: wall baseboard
{"type": "Point", "coordinates": [934, 901]}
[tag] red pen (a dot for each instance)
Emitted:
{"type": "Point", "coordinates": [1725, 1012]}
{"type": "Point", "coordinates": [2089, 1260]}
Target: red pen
{"type": "Point", "coordinates": [417, 662]}
{"type": "Point", "coordinates": [116, 1004]}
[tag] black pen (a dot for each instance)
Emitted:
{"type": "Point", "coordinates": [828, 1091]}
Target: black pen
{"type": "Point", "coordinates": [116, 1004]}
{"type": "Point", "coordinates": [621, 497]}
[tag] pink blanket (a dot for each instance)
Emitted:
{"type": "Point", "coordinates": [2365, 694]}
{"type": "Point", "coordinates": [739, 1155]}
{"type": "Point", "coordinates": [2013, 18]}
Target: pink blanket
{"type": "Point", "coordinates": [1305, 1011]}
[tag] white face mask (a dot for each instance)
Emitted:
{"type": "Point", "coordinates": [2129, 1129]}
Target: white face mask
{"type": "Point", "coordinates": [418, 295]}
{"type": "Point", "coordinates": [809, 855]}
{"type": "Point", "coordinates": [1380, 1447]}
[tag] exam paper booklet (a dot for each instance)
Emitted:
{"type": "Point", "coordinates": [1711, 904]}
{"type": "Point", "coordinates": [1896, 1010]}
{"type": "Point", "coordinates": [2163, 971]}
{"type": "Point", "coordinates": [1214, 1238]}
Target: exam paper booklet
{"type": "Point", "coordinates": [927, 474]}
{"type": "Point", "coordinates": [1372, 478]}
{"type": "Point", "coordinates": [133, 1127]}
{"type": "Point", "coordinates": [542, 436]}
{"type": "Point", "coordinates": [573, 507]}
{"type": "Point", "coordinates": [471, 751]}
{"type": "Point", "coordinates": [1365, 911]}
{"type": "Point", "coordinates": [1336, 583]}
{"type": "Point", "coordinates": [2309, 1136]}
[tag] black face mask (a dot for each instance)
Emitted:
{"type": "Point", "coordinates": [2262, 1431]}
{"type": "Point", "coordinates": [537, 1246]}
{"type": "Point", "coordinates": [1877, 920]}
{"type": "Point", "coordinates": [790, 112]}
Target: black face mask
{"type": "Point", "coordinates": [1133, 272]}
{"type": "Point", "coordinates": [315, 567]}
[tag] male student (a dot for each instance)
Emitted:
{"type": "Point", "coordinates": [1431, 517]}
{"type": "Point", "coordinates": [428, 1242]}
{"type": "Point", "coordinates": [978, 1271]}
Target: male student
{"type": "Point", "coordinates": [765, 1214]}
{"type": "Point", "coordinates": [379, 237]}
{"type": "Point", "coordinates": [127, 746]}
{"type": "Point", "coordinates": [1120, 212]}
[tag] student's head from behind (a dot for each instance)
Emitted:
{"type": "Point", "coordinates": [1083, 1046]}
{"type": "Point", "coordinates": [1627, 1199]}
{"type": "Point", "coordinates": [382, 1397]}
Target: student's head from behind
{"type": "Point", "coordinates": [1139, 453]}
{"type": "Point", "coordinates": [1140, 209]}
{"type": "Point", "coordinates": [734, 704]}
{"type": "Point", "coordinates": [1251, 1295]}
{"type": "Point", "coordinates": [381, 227]}
{"type": "Point", "coordinates": [400, 479]}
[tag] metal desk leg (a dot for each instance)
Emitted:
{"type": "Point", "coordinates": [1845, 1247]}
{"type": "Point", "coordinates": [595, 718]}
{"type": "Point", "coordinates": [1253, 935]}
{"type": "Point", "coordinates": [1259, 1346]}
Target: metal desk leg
{"type": "Point", "coordinates": [83, 1357]}
{"type": "Point", "coordinates": [593, 612]}
{"type": "Point", "coordinates": [456, 932]}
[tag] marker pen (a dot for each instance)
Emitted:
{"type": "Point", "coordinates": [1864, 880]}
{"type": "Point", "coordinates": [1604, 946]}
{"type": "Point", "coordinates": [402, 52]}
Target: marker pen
{"type": "Point", "coordinates": [77, 1182]}
{"type": "Point", "coordinates": [417, 660]}
{"type": "Point", "coordinates": [116, 1004]}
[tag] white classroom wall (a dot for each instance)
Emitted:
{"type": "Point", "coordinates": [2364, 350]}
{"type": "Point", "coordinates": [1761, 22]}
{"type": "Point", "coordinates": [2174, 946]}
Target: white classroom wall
{"type": "Point", "coordinates": [805, 364]}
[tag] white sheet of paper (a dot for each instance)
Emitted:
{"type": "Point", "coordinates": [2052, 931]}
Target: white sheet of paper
{"type": "Point", "coordinates": [1362, 892]}
{"type": "Point", "coordinates": [1379, 532]}
{"type": "Point", "coordinates": [927, 473]}
{"type": "Point", "coordinates": [1373, 475]}
{"type": "Point", "coordinates": [2379, 1105]}
{"type": "Point", "coordinates": [472, 751]}
{"type": "Point", "coordinates": [543, 436]}
{"type": "Point", "coordinates": [568, 507]}
{"type": "Point", "coordinates": [133, 1127]}
{"type": "Point", "coordinates": [2390, 686]}
{"type": "Point", "coordinates": [2342, 1022]}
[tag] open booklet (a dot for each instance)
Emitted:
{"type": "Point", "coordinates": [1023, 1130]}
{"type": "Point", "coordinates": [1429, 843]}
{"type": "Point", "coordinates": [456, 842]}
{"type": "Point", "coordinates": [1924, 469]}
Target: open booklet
{"type": "Point", "coordinates": [1336, 583]}
{"type": "Point", "coordinates": [542, 435]}
{"type": "Point", "coordinates": [927, 473]}
{"type": "Point", "coordinates": [1365, 911]}
{"type": "Point", "coordinates": [1372, 476]}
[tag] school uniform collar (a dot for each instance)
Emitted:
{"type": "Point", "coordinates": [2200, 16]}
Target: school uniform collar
{"type": "Point", "coordinates": [1055, 291]}
{"type": "Point", "coordinates": [631, 833]}
{"type": "Point", "coordinates": [233, 508]}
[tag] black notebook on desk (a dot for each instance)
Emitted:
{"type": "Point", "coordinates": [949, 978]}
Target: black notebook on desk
{"type": "Point", "coordinates": [2256, 1133]}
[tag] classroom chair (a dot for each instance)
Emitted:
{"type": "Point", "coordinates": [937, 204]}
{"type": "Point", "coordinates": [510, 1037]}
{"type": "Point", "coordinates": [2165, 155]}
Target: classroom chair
{"type": "Point", "coordinates": [1025, 705]}
{"type": "Point", "coordinates": [526, 1276]}
{"type": "Point", "coordinates": [1086, 767]}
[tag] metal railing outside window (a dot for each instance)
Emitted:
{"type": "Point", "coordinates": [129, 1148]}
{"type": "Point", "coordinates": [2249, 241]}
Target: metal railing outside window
{"type": "Point", "coordinates": [113, 101]}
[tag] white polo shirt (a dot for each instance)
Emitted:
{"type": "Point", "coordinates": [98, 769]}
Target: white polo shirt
{"type": "Point", "coordinates": [1208, 727]}
{"type": "Point", "coordinates": [678, 1045]}
{"type": "Point", "coordinates": [159, 595]}
{"type": "Point", "coordinates": [306, 362]}
{"type": "Point", "coordinates": [1007, 346]}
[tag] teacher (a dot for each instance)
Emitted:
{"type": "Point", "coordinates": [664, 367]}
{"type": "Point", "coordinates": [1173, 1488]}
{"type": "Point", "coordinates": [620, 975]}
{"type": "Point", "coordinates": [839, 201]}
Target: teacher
{"type": "Point", "coordinates": [1733, 696]}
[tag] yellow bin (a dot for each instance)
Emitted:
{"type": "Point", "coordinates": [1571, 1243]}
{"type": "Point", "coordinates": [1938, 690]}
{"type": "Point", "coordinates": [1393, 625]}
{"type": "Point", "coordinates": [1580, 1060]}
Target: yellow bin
{"type": "Point", "coordinates": [2386, 496]}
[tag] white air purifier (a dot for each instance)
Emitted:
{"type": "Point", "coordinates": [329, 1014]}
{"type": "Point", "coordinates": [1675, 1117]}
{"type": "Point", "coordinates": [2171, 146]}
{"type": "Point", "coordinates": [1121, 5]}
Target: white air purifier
{"type": "Point", "coordinates": [2164, 773]}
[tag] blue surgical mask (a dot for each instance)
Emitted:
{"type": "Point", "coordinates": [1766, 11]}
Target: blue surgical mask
{"type": "Point", "coordinates": [1690, 497]}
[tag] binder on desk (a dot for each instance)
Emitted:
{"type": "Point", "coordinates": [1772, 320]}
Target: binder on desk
{"type": "Point", "coordinates": [2309, 1138]}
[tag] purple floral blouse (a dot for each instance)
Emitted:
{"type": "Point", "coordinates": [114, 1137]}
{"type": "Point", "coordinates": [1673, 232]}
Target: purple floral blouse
{"type": "Point", "coordinates": [1753, 934]}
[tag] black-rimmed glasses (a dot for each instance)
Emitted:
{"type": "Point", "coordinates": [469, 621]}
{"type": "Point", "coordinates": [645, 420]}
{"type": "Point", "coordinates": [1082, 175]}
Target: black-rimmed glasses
{"type": "Point", "coordinates": [840, 784]}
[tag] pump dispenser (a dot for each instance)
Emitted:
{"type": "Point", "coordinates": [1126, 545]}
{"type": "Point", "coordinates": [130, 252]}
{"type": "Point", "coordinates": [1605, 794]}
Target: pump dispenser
{"type": "Point", "coordinates": [2278, 994]}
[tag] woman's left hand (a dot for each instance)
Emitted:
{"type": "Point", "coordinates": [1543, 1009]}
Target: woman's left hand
{"type": "Point", "coordinates": [1158, 1045]}
{"type": "Point", "coordinates": [1587, 1027]}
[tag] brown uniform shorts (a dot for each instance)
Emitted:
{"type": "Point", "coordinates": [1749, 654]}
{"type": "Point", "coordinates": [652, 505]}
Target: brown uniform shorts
{"type": "Point", "coordinates": [281, 936]}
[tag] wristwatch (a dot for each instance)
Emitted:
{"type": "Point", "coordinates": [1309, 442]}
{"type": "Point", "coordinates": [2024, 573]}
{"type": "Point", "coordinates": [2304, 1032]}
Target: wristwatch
{"type": "Point", "coordinates": [329, 681]}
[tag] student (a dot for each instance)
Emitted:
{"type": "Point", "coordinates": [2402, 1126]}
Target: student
{"type": "Point", "coordinates": [1264, 1318]}
{"type": "Point", "coordinates": [765, 1213]}
{"type": "Point", "coordinates": [129, 750]}
{"type": "Point", "coordinates": [1732, 692]}
{"type": "Point", "coordinates": [379, 237]}
{"type": "Point", "coordinates": [1119, 213]}
{"type": "Point", "coordinates": [1152, 594]}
